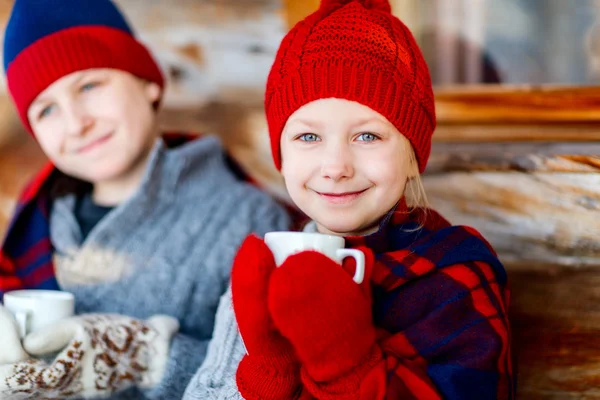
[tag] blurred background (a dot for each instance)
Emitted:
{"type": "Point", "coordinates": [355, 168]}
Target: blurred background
{"type": "Point", "coordinates": [516, 153]}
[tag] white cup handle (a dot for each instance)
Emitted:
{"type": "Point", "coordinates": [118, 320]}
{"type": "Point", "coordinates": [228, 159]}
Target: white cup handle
{"type": "Point", "coordinates": [359, 257]}
{"type": "Point", "coordinates": [22, 317]}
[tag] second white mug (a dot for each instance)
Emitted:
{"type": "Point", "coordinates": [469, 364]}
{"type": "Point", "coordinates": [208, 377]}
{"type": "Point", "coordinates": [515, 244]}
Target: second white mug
{"type": "Point", "coordinates": [34, 309]}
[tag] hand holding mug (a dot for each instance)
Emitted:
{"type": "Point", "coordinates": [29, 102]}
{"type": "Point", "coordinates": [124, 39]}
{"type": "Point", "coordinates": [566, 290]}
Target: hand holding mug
{"type": "Point", "coordinates": [35, 309]}
{"type": "Point", "coordinates": [11, 350]}
{"type": "Point", "coordinates": [327, 317]}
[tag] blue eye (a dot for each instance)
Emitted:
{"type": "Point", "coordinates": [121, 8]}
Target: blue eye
{"type": "Point", "coordinates": [46, 111]}
{"type": "Point", "coordinates": [309, 137]}
{"type": "Point", "coordinates": [367, 137]}
{"type": "Point", "coordinates": [88, 86]}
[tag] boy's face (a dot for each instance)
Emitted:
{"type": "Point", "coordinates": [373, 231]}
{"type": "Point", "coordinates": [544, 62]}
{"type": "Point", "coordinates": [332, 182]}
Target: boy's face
{"type": "Point", "coordinates": [97, 124]}
{"type": "Point", "coordinates": [344, 165]}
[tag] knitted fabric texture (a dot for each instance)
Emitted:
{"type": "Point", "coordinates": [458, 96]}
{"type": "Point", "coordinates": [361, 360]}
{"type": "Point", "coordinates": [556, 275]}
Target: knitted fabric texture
{"type": "Point", "coordinates": [358, 51]}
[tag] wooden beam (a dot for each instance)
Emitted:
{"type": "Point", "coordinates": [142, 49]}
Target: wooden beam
{"type": "Point", "coordinates": [493, 105]}
{"type": "Point", "coordinates": [529, 217]}
{"type": "Point", "coordinates": [556, 332]}
{"type": "Point", "coordinates": [580, 157]}
{"type": "Point", "coordinates": [517, 133]}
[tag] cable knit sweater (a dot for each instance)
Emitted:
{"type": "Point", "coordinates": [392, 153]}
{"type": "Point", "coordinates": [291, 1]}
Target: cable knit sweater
{"type": "Point", "coordinates": [168, 249]}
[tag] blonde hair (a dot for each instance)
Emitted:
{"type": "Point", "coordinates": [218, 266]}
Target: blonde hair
{"type": "Point", "coordinates": [414, 191]}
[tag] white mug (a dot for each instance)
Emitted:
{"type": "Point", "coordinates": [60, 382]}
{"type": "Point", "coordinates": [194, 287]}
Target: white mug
{"type": "Point", "coordinates": [284, 244]}
{"type": "Point", "coordinates": [34, 309]}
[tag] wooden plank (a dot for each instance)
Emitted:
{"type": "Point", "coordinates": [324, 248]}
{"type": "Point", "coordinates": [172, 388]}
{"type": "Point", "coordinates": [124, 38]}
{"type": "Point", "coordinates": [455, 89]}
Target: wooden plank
{"type": "Point", "coordinates": [558, 132]}
{"type": "Point", "coordinates": [511, 156]}
{"type": "Point", "coordinates": [505, 104]}
{"type": "Point", "coordinates": [556, 332]}
{"type": "Point", "coordinates": [528, 217]}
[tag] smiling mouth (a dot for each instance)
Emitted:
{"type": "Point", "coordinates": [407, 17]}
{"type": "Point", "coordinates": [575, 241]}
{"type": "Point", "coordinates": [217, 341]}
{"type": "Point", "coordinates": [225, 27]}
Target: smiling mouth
{"type": "Point", "coordinates": [341, 198]}
{"type": "Point", "coordinates": [94, 144]}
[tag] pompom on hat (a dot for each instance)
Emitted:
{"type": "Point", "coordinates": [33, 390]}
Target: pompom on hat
{"type": "Point", "coordinates": [47, 39]}
{"type": "Point", "coordinates": [358, 51]}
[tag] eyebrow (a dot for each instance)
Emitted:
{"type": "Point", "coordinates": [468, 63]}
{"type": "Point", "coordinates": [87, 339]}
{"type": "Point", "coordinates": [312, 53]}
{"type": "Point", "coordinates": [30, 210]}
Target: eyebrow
{"type": "Point", "coordinates": [368, 120]}
{"type": "Point", "coordinates": [39, 101]}
{"type": "Point", "coordinates": [309, 123]}
{"type": "Point", "coordinates": [360, 122]}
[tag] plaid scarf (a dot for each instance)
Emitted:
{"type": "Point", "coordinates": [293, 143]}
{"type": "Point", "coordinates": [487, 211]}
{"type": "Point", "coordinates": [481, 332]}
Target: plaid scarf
{"type": "Point", "coordinates": [26, 253]}
{"type": "Point", "coordinates": [440, 305]}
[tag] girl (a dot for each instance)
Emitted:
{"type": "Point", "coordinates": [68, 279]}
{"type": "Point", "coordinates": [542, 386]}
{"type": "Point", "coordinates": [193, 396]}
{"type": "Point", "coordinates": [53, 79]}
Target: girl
{"type": "Point", "coordinates": [133, 223]}
{"type": "Point", "coordinates": [351, 114]}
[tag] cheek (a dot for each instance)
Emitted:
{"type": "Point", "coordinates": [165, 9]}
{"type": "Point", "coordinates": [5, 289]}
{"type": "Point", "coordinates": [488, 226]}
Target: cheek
{"type": "Point", "coordinates": [389, 175]}
{"type": "Point", "coordinates": [291, 178]}
{"type": "Point", "coordinates": [123, 104]}
{"type": "Point", "coordinates": [296, 161]}
{"type": "Point", "coordinates": [112, 111]}
{"type": "Point", "coordinates": [295, 174]}
{"type": "Point", "coordinates": [49, 138]}
{"type": "Point", "coordinates": [137, 119]}
{"type": "Point", "coordinates": [298, 166]}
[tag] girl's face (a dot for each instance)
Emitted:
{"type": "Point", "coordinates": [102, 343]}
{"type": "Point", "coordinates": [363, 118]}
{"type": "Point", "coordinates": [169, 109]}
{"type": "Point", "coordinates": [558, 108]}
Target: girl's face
{"type": "Point", "coordinates": [344, 165]}
{"type": "Point", "coordinates": [96, 124]}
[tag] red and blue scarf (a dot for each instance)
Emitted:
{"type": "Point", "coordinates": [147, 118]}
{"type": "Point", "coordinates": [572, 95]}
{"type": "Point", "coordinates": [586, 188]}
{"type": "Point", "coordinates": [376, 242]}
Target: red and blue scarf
{"type": "Point", "coordinates": [440, 306]}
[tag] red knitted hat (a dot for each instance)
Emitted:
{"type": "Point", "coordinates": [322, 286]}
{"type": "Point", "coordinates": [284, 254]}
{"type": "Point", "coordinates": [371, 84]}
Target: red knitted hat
{"type": "Point", "coordinates": [354, 50]}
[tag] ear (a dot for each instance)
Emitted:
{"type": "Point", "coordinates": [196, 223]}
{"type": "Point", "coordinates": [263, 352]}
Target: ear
{"type": "Point", "coordinates": [153, 91]}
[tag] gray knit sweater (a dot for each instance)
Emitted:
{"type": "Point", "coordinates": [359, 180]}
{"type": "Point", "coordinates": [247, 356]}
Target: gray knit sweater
{"type": "Point", "coordinates": [168, 249]}
{"type": "Point", "coordinates": [215, 380]}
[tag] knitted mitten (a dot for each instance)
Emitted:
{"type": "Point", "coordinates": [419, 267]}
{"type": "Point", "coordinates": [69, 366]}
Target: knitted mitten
{"type": "Point", "coordinates": [270, 370]}
{"type": "Point", "coordinates": [328, 319]}
{"type": "Point", "coordinates": [11, 350]}
{"type": "Point", "coordinates": [99, 354]}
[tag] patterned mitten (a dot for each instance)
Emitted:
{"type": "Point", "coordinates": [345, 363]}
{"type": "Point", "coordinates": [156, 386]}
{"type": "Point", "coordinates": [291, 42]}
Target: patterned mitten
{"type": "Point", "coordinates": [11, 350]}
{"type": "Point", "coordinates": [99, 354]}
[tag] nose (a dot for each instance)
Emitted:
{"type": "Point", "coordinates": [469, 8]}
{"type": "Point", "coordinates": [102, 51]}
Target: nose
{"type": "Point", "coordinates": [337, 163]}
{"type": "Point", "coordinates": [76, 118]}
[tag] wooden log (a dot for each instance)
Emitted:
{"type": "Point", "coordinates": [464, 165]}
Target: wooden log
{"type": "Point", "coordinates": [539, 132]}
{"type": "Point", "coordinates": [500, 105]}
{"type": "Point", "coordinates": [528, 217]}
{"type": "Point", "coordinates": [556, 332]}
{"type": "Point", "coordinates": [515, 156]}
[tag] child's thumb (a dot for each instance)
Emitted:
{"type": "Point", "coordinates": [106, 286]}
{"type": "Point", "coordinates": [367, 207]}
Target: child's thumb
{"type": "Point", "coordinates": [52, 338]}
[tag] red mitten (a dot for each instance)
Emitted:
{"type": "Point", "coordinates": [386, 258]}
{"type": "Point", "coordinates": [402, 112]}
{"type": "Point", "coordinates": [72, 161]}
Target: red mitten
{"type": "Point", "coordinates": [328, 319]}
{"type": "Point", "coordinates": [270, 370]}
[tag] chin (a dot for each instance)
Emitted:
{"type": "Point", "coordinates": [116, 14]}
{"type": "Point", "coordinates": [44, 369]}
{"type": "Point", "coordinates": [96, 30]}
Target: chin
{"type": "Point", "coordinates": [341, 228]}
{"type": "Point", "coordinates": [100, 175]}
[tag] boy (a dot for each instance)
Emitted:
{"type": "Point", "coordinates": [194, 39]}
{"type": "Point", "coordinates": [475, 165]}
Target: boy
{"type": "Point", "coordinates": [133, 223]}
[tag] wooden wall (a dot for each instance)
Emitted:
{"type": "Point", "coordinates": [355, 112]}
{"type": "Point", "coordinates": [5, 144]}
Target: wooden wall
{"type": "Point", "coordinates": [523, 166]}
